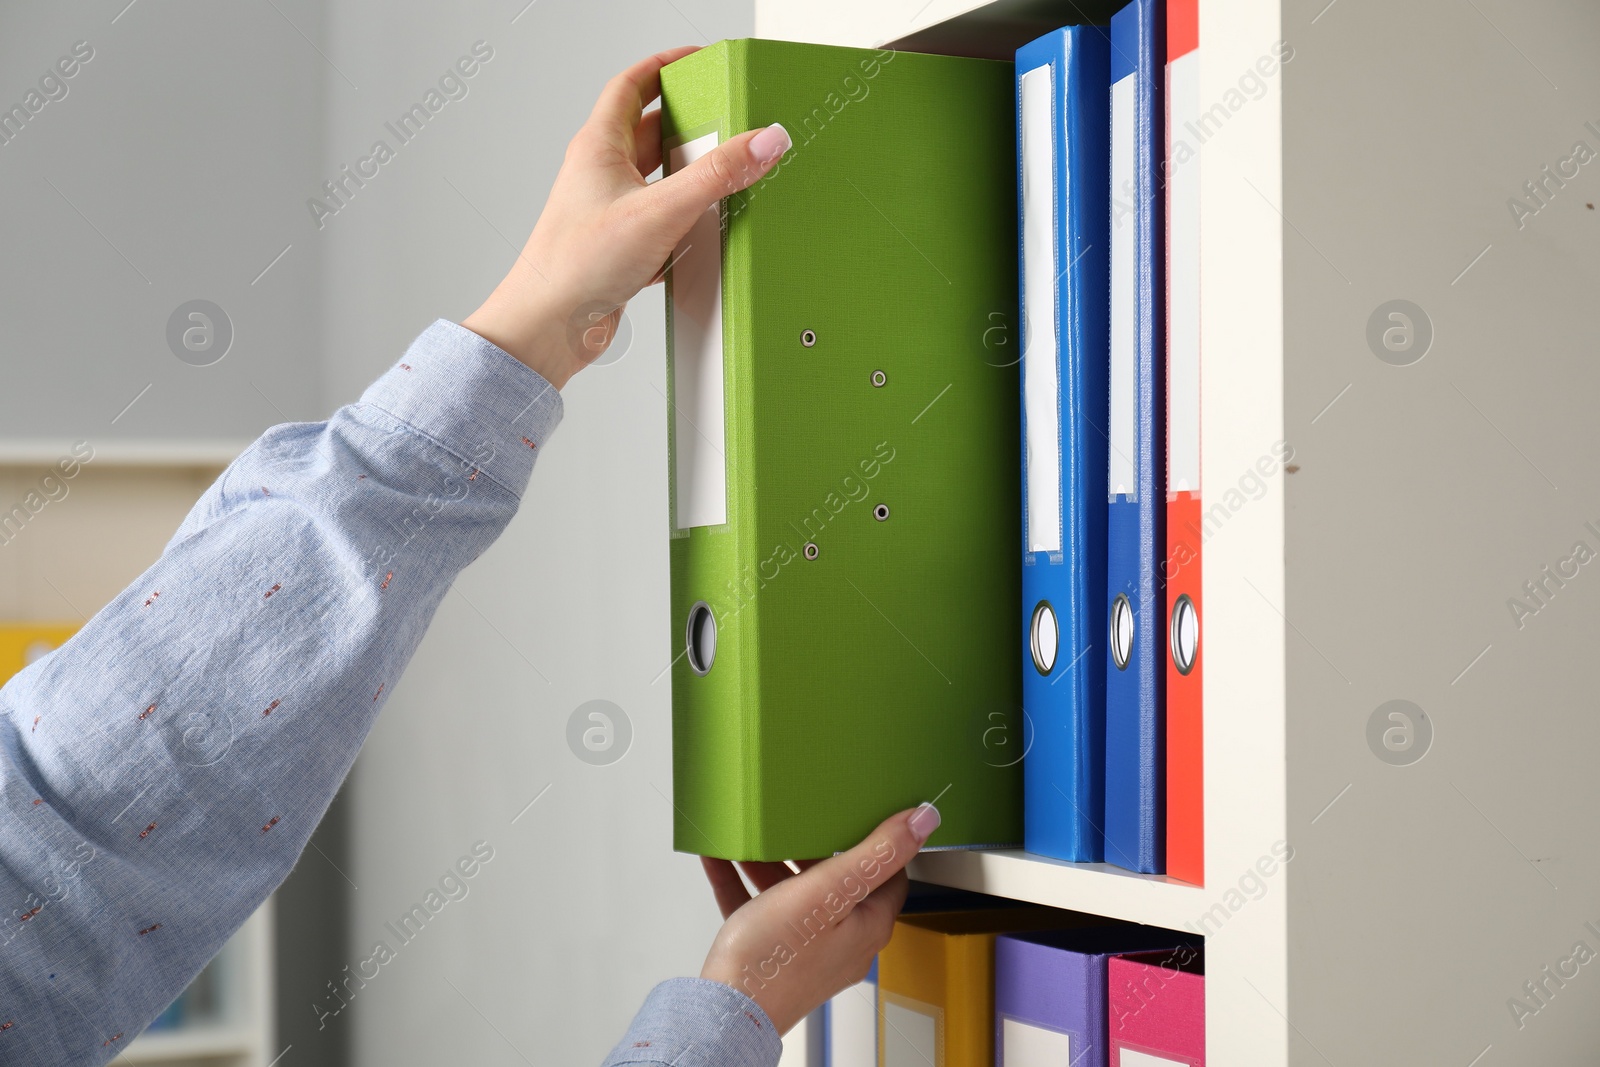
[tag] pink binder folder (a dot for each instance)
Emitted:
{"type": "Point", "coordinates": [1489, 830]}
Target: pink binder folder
{"type": "Point", "coordinates": [1157, 1007]}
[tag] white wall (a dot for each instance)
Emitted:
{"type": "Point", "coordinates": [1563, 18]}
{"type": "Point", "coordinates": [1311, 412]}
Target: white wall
{"type": "Point", "coordinates": [584, 906]}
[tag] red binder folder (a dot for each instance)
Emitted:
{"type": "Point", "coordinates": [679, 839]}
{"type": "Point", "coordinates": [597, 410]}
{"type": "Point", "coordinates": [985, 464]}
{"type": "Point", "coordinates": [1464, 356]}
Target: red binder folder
{"type": "Point", "coordinates": [1185, 778]}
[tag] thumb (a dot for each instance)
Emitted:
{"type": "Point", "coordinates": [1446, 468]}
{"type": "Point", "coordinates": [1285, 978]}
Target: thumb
{"type": "Point", "coordinates": [877, 859]}
{"type": "Point", "coordinates": [680, 198]}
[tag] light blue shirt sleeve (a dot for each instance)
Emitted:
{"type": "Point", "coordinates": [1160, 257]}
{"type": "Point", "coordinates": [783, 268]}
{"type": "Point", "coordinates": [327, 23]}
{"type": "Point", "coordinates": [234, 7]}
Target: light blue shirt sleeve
{"type": "Point", "coordinates": [161, 772]}
{"type": "Point", "coordinates": [695, 1022]}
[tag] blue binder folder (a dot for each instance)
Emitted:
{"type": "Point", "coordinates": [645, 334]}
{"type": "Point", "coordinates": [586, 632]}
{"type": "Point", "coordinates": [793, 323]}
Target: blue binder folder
{"type": "Point", "coordinates": [1135, 602]}
{"type": "Point", "coordinates": [1063, 145]}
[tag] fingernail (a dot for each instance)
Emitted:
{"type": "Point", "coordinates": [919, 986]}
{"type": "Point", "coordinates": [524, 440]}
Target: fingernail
{"type": "Point", "coordinates": [923, 822]}
{"type": "Point", "coordinates": [769, 144]}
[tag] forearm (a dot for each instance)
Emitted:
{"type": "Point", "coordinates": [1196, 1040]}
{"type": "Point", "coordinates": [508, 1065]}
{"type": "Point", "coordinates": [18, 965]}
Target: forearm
{"type": "Point", "coordinates": [161, 772]}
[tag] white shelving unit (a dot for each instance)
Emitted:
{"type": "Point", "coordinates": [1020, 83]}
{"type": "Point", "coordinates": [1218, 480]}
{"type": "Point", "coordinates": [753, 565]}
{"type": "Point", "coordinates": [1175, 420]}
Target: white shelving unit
{"type": "Point", "coordinates": [1375, 165]}
{"type": "Point", "coordinates": [240, 1031]}
{"type": "Point", "coordinates": [1100, 888]}
{"type": "Point", "coordinates": [173, 454]}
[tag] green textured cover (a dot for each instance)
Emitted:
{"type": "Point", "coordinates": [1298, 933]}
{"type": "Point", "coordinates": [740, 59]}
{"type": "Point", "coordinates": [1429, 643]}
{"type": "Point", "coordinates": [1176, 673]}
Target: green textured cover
{"type": "Point", "coordinates": [882, 673]}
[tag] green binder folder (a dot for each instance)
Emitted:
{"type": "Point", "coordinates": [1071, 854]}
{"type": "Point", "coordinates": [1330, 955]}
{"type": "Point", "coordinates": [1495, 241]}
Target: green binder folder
{"type": "Point", "coordinates": [844, 454]}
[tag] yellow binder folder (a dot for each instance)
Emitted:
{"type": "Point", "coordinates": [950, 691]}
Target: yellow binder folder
{"type": "Point", "coordinates": [936, 983]}
{"type": "Point", "coordinates": [22, 643]}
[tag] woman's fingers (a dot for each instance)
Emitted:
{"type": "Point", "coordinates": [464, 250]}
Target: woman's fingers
{"type": "Point", "coordinates": [878, 859]}
{"type": "Point", "coordinates": [647, 143]}
{"type": "Point", "coordinates": [765, 875]}
{"type": "Point", "coordinates": [882, 907]}
{"type": "Point", "coordinates": [614, 126]}
{"type": "Point", "coordinates": [793, 947]}
{"type": "Point", "coordinates": [856, 876]}
{"type": "Point", "coordinates": [725, 885]}
{"type": "Point", "coordinates": [605, 233]}
{"type": "Point", "coordinates": [627, 94]}
{"type": "Point", "coordinates": [672, 205]}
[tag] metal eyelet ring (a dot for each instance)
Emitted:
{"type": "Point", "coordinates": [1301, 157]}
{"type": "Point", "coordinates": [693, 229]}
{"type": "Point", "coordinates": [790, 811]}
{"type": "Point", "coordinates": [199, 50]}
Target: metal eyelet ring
{"type": "Point", "coordinates": [1185, 634]}
{"type": "Point", "coordinates": [811, 550]}
{"type": "Point", "coordinates": [879, 379]}
{"type": "Point", "coordinates": [808, 337]}
{"type": "Point", "coordinates": [700, 638]}
{"type": "Point", "coordinates": [881, 512]}
{"type": "Point", "coordinates": [1121, 632]}
{"type": "Point", "coordinates": [1044, 637]}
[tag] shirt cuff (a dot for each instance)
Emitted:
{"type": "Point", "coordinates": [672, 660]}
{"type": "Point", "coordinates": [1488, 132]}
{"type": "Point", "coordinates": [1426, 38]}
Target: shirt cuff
{"type": "Point", "coordinates": [695, 1022]}
{"type": "Point", "coordinates": [472, 398]}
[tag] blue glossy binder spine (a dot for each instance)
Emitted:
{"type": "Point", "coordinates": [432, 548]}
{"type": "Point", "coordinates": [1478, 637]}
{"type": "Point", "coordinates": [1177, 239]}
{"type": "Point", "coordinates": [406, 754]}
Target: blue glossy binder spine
{"type": "Point", "coordinates": [1063, 149]}
{"type": "Point", "coordinates": [1134, 619]}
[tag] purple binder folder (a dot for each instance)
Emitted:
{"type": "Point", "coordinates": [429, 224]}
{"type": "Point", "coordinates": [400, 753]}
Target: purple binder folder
{"type": "Point", "coordinates": [1050, 992]}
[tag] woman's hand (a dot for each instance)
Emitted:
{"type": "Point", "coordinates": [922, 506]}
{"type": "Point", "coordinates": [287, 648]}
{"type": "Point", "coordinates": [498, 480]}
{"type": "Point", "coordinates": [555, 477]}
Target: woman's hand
{"type": "Point", "coordinates": [604, 233]}
{"type": "Point", "coordinates": [809, 935]}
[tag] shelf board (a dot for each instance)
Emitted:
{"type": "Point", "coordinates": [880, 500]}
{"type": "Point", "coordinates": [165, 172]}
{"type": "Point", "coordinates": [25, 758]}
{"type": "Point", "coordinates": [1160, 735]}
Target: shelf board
{"type": "Point", "coordinates": [204, 1041]}
{"type": "Point", "coordinates": [1096, 888]}
{"type": "Point", "coordinates": [127, 453]}
{"type": "Point", "coordinates": [996, 30]}
{"type": "Point", "coordinates": [992, 30]}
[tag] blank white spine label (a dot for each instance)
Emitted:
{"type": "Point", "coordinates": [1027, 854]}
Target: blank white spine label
{"type": "Point", "coordinates": [1124, 450]}
{"type": "Point", "coordinates": [1183, 280]}
{"type": "Point", "coordinates": [1130, 1058]}
{"type": "Point", "coordinates": [700, 467]}
{"type": "Point", "coordinates": [1041, 354]}
{"type": "Point", "coordinates": [853, 1027]}
{"type": "Point", "coordinates": [1025, 1045]}
{"type": "Point", "coordinates": [910, 1038]}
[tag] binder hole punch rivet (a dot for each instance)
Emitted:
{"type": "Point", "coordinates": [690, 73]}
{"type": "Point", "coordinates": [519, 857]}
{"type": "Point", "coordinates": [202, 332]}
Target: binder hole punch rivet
{"type": "Point", "coordinates": [811, 551]}
{"type": "Point", "coordinates": [1121, 631]}
{"type": "Point", "coordinates": [1185, 634]}
{"type": "Point", "coordinates": [808, 337]}
{"type": "Point", "coordinates": [1044, 637]}
{"type": "Point", "coordinates": [879, 379]}
{"type": "Point", "coordinates": [701, 638]}
{"type": "Point", "coordinates": [881, 512]}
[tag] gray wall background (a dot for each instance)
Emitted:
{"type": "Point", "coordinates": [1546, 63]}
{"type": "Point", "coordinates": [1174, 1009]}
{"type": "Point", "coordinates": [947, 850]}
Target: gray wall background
{"type": "Point", "coordinates": [182, 157]}
{"type": "Point", "coordinates": [173, 169]}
